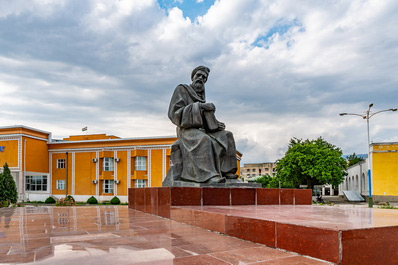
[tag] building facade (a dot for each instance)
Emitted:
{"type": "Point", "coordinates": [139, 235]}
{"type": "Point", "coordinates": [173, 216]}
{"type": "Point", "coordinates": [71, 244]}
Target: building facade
{"type": "Point", "coordinates": [82, 166]}
{"type": "Point", "coordinates": [384, 168]}
{"type": "Point", "coordinates": [97, 165]}
{"type": "Point", "coordinates": [250, 171]}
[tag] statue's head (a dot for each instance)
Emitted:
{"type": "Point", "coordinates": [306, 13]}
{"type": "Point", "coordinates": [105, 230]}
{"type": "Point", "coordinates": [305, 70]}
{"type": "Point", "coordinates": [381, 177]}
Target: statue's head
{"type": "Point", "coordinates": [199, 76]}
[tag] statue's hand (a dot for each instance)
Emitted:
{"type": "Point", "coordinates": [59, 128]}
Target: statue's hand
{"type": "Point", "coordinates": [221, 126]}
{"type": "Point", "coordinates": [208, 106]}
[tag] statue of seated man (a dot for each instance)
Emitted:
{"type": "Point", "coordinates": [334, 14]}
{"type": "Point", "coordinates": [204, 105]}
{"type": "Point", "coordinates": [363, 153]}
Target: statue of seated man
{"type": "Point", "coordinates": [204, 152]}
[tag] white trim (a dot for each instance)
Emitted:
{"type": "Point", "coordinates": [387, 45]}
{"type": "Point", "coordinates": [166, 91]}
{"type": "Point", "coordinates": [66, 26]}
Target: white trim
{"type": "Point", "coordinates": [19, 139]}
{"type": "Point", "coordinates": [23, 126]}
{"type": "Point", "coordinates": [50, 159]}
{"type": "Point", "coordinates": [114, 140]}
{"type": "Point", "coordinates": [115, 173]}
{"type": "Point", "coordinates": [73, 173]}
{"type": "Point", "coordinates": [121, 148]}
{"type": "Point", "coordinates": [5, 136]}
{"type": "Point", "coordinates": [164, 166]}
{"type": "Point", "coordinates": [128, 170]}
{"type": "Point", "coordinates": [149, 168]}
{"type": "Point", "coordinates": [97, 175]}
{"type": "Point", "coordinates": [20, 152]}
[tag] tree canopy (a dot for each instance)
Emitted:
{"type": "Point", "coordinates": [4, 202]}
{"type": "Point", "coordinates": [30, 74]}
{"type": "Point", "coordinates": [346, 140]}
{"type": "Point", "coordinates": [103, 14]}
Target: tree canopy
{"type": "Point", "coordinates": [353, 159]}
{"type": "Point", "coordinates": [311, 162]}
{"type": "Point", "coordinates": [8, 189]}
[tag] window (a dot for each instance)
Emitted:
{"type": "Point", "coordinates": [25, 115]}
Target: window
{"type": "Point", "coordinates": [254, 170]}
{"type": "Point", "coordinates": [140, 163]}
{"type": "Point", "coordinates": [36, 183]}
{"type": "Point", "coordinates": [60, 184]}
{"type": "Point", "coordinates": [108, 164]}
{"type": "Point", "coordinates": [60, 163]}
{"type": "Point", "coordinates": [140, 183]}
{"type": "Point", "coordinates": [108, 186]}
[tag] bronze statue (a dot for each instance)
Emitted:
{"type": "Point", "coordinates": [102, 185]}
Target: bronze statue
{"type": "Point", "coordinates": [205, 152]}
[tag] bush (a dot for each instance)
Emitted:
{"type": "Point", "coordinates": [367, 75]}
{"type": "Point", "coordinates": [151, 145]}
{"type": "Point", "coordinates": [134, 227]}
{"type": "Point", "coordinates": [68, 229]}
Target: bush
{"type": "Point", "coordinates": [92, 200]}
{"type": "Point", "coordinates": [71, 198]}
{"type": "Point", "coordinates": [50, 200]}
{"type": "Point", "coordinates": [8, 189]}
{"type": "Point", "coordinates": [115, 200]}
{"type": "Point", "coordinates": [67, 201]}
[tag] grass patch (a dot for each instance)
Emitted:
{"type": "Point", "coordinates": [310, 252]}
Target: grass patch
{"type": "Point", "coordinates": [387, 205]}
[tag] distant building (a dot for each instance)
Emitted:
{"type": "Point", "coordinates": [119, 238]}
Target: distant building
{"type": "Point", "coordinates": [249, 171]}
{"type": "Point", "coordinates": [384, 157]}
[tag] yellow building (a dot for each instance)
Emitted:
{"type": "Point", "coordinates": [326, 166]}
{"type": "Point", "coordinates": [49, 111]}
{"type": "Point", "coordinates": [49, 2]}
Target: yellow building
{"type": "Point", "coordinates": [384, 168]}
{"type": "Point", "coordinates": [97, 165]}
{"type": "Point", "coordinates": [85, 165]}
{"type": "Point", "coordinates": [385, 171]}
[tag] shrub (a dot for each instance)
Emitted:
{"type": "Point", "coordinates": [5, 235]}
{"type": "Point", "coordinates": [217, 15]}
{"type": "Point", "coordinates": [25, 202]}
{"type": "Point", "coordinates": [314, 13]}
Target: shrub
{"type": "Point", "coordinates": [92, 200]}
{"type": "Point", "coordinates": [67, 201]}
{"type": "Point", "coordinates": [50, 200]}
{"type": "Point", "coordinates": [8, 189]}
{"type": "Point", "coordinates": [115, 200]}
{"type": "Point", "coordinates": [71, 198]}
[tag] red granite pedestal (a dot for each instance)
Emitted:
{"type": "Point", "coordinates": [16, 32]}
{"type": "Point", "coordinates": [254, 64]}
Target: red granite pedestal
{"type": "Point", "coordinates": [159, 201]}
{"type": "Point", "coordinates": [280, 218]}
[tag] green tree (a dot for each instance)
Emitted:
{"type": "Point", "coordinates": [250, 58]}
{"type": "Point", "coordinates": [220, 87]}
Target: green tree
{"type": "Point", "coordinates": [8, 189]}
{"type": "Point", "coordinates": [353, 159]}
{"type": "Point", "coordinates": [311, 162]}
{"type": "Point", "coordinates": [268, 181]}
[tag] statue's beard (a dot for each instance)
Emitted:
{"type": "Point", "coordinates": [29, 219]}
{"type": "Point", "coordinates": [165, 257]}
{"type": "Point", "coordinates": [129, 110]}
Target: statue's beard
{"type": "Point", "coordinates": [198, 86]}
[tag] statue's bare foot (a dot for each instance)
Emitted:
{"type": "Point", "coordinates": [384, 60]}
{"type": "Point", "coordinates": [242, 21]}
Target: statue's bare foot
{"type": "Point", "coordinates": [230, 176]}
{"type": "Point", "coordinates": [216, 179]}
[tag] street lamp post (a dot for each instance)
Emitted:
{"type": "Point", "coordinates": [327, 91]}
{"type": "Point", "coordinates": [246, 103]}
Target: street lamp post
{"type": "Point", "coordinates": [367, 116]}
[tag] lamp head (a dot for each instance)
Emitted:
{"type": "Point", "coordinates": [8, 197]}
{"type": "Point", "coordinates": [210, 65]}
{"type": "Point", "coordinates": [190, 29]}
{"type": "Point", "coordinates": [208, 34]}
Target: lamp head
{"type": "Point", "coordinates": [394, 109]}
{"type": "Point", "coordinates": [342, 114]}
{"type": "Point", "coordinates": [370, 105]}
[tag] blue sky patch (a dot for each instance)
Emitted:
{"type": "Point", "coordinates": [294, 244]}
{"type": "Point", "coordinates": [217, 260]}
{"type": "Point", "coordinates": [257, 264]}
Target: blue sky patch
{"type": "Point", "coordinates": [190, 8]}
{"type": "Point", "coordinates": [280, 28]}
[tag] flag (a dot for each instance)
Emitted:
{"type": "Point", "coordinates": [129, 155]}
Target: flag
{"type": "Point", "coordinates": [84, 129]}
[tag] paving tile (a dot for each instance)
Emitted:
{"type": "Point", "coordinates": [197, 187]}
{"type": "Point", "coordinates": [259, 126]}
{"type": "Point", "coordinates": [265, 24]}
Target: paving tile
{"type": "Point", "coordinates": [251, 255]}
{"type": "Point", "coordinates": [118, 234]}
{"type": "Point", "coordinates": [199, 260]}
{"type": "Point", "coordinates": [297, 260]}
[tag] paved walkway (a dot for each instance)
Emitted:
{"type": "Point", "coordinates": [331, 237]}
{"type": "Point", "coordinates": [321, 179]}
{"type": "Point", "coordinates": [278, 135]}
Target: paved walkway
{"type": "Point", "coordinates": [118, 235]}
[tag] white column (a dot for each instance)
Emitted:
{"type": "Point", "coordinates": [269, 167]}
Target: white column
{"type": "Point", "coordinates": [149, 160]}
{"type": "Point", "coordinates": [97, 174]}
{"type": "Point", "coordinates": [73, 173]}
{"type": "Point", "coordinates": [164, 164]}
{"type": "Point", "coordinates": [128, 170]}
{"type": "Point", "coordinates": [114, 173]}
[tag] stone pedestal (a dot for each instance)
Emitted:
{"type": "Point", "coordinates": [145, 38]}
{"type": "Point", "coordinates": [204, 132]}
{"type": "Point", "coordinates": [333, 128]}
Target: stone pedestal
{"type": "Point", "coordinates": [159, 200]}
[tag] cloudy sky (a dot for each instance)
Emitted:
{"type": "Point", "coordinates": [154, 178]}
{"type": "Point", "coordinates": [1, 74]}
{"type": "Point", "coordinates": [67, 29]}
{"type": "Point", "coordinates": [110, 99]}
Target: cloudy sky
{"type": "Point", "coordinates": [279, 68]}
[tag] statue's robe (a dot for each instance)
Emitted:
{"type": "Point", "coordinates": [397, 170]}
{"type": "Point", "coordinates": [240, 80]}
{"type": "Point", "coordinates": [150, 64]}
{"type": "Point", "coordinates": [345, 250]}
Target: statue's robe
{"type": "Point", "coordinates": [204, 154]}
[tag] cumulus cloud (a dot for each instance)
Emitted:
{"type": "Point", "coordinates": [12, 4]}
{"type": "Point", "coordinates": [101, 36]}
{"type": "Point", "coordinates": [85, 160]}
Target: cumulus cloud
{"type": "Point", "coordinates": [279, 69]}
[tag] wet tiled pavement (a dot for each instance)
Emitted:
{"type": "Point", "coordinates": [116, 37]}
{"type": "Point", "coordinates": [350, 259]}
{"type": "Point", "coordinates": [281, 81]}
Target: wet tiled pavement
{"type": "Point", "coordinates": [118, 235]}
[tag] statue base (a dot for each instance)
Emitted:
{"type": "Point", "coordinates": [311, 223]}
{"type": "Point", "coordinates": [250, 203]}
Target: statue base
{"type": "Point", "coordinates": [230, 183]}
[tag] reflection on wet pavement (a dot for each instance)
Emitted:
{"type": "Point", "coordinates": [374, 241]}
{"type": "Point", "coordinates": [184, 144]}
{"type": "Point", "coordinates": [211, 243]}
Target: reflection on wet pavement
{"type": "Point", "coordinates": [118, 235]}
